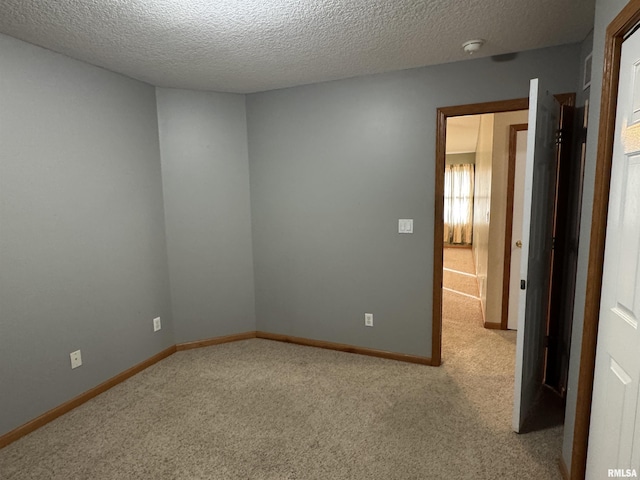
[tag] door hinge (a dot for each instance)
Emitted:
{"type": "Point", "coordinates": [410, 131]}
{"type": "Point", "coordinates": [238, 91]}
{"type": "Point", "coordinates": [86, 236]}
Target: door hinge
{"type": "Point", "coordinates": [523, 284]}
{"type": "Point", "coordinates": [559, 137]}
{"type": "Point", "coordinates": [546, 341]}
{"type": "Point", "coordinates": [553, 243]}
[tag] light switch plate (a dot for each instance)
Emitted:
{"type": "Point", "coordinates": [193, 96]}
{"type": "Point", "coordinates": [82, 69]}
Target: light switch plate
{"type": "Point", "coordinates": [156, 324]}
{"type": "Point", "coordinates": [405, 225]}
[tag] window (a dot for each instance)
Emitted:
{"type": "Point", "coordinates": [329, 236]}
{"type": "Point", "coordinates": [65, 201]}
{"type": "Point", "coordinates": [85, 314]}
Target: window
{"type": "Point", "coordinates": [458, 204]}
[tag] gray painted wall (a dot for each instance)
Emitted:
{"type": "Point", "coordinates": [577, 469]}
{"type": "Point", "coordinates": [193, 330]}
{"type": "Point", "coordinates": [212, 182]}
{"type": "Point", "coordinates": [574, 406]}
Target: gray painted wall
{"type": "Point", "coordinates": [82, 247]}
{"type": "Point", "coordinates": [334, 166]}
{"type": "Point", "coordinates": [205, 173]}
{"type": "Point", "coordinates": [606, 11]}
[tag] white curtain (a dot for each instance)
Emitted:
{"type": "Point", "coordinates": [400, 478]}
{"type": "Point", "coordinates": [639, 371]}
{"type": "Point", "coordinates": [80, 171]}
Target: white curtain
{"type": "Point", "coordinates": [458, 204]}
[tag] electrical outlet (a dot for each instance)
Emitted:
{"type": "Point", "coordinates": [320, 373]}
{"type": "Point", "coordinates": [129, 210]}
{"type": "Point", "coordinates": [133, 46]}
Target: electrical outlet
{"type": "Point", "coordinates": [368, 319]}
{"type": "Point", "coordinates": [76, 359]}
{"type": "Point", "coordinates": [156, 324]}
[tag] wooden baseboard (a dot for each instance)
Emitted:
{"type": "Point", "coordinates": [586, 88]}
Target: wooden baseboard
{"type": "Point", "coordinates": [54, 413]}
{"type": "Point", "coordinates": [564, 471]}
{"type": "Point", "coordinates": [345, 348]}
{"type": "Point", "coordinates": [493, 325]}
{"type": "Point", "coordinates": [215, 341]}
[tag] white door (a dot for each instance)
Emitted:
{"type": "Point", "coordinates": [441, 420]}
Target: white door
{"type": "Point", "coordinates": [516, 230]}
{"type": "Point", "coordinates": [537, 227]}
{"type": "Point", "coordinates": [614, 434]}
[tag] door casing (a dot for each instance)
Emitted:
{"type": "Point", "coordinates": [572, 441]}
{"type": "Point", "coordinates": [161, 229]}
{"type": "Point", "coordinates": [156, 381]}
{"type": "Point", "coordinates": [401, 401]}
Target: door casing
{"type": "Point", "coordinates": [438, 227]}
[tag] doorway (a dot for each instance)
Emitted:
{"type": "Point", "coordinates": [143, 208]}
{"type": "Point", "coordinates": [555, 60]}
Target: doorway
{"type": "Point", "coordinates": [502, 290]}
{"type": "Point", "coordinates": [481, 179]}
{"type": "Point", "coordinates": [443, 115]}
{"type": "Point", "coordinates": [487, 108]}
{"type": "Point", "coordinates": [513, 243]}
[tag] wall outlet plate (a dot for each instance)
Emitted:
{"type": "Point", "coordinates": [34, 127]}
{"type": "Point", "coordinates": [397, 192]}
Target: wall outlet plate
{"type": "Point", "coordinates": [76, 359]}
{"type": "Point", "coordinates": [157, 325]}
{"type": "Point", "coordinates": [368, 319]}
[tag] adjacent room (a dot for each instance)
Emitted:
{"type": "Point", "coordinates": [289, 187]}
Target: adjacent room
{"type": "Point", "coordinates": [482, 199]}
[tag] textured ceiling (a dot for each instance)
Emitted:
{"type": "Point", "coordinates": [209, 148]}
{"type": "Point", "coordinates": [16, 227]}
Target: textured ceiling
{"type": "Point", "coordinates": [254, 45]}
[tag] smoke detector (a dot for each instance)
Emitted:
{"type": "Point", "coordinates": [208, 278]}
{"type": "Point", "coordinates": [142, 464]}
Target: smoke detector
{"type": "Point", "coordinates": [472, 46]}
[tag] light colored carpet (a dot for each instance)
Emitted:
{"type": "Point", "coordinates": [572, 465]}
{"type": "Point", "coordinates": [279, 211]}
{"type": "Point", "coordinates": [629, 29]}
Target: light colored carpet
{"type": "Point", "coordinates": [259, 409]}
{"type": "Point", "coordinates": [459, 258]}
{"type": "Point", "coordinates": [459, 274]}
{"type": "Point", "coordinates": [460, 283]}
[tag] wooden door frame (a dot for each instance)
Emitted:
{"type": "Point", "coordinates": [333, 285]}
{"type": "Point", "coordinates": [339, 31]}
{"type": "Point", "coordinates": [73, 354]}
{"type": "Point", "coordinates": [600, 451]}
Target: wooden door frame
{"type": "Point", "coordinates": [438, 226]}
{"type": "Point", "coordinates": [623, 24]}
{"type": "Point", "coordinates": [511, 176]}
